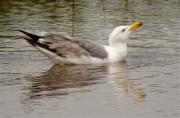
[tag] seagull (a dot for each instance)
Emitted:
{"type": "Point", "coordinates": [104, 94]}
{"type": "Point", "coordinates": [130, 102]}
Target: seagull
{"type": "Point", "coordinates": [71, 50]}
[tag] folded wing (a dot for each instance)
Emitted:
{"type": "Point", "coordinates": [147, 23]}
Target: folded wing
{"type": "Point", "coordinates": [65, 47]}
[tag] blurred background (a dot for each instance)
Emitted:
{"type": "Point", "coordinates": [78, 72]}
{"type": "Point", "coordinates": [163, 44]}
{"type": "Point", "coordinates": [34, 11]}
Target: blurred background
{"type": "Point", "coordinates": [145, 85]}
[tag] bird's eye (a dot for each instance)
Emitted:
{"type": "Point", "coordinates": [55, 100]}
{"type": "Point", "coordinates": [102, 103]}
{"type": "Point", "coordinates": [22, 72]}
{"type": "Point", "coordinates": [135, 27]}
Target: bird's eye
{"type": "Point", "coordinates": [123, 30]}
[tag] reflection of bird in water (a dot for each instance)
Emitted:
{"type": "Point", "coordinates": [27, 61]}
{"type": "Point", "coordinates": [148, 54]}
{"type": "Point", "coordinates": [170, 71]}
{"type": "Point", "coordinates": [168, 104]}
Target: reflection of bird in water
{"type": "Point", "coordinates": [64, 80]}
{"type": "Point", "coordinates": [118, 74]}
{"type": "Point", "coordinates": [59, 79]}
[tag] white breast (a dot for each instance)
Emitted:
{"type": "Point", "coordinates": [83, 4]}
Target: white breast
{"type": "Point", "coordinates": [117, 53]}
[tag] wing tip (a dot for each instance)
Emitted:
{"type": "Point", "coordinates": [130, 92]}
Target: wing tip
{"type": "Point", "coordinates": [30, 35]}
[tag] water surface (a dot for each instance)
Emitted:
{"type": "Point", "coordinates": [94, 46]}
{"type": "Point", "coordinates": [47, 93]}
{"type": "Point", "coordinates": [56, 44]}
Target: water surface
{"type": "Point", "coordinates": [145, 85]}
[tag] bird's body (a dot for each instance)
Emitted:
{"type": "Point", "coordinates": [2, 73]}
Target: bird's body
{"type": "Point", "coordinates": [60, 49]}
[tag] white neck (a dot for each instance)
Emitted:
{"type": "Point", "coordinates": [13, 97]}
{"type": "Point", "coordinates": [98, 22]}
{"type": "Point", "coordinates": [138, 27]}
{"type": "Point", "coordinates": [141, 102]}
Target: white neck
{"type": "Point", "coordinates": [117, 43]}
{"type": "Point", "coordinates": [120, 46]}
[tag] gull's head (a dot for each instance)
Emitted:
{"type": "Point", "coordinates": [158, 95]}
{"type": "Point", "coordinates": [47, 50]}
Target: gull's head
{"type": "Point", "coordinates": [121, 33]}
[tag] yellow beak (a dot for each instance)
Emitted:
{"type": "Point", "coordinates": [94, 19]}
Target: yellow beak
{"type": "Point", "coordinates": [135, 26]}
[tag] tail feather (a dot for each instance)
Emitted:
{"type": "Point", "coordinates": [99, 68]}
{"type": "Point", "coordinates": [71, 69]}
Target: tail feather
{"type": "Point", "coordinates": [32, 36]}
{"type": "Point", "coordinates": [32, 39]}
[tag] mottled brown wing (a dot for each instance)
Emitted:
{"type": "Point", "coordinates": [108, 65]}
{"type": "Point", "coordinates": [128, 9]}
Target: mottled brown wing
{"type": "Point", "coordinates": [66, 47]}
{"type": "Point", "coordinates": [73, 47]}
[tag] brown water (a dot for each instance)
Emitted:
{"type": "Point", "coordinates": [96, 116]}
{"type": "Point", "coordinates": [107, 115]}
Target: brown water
{"type": "Point", "coordinates": [146, 85]}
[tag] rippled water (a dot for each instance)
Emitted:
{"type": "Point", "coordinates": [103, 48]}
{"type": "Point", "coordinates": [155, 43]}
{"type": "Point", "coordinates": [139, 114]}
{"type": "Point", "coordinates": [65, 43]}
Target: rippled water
{"type": "Point", "coordinates": [145, 85]}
